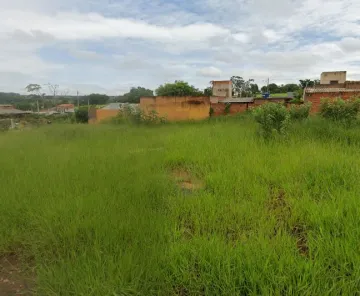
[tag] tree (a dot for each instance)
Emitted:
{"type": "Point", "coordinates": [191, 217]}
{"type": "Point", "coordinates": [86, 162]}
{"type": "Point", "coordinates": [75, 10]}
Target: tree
{"type": "Point", "coordinates": [274, 88]}
{"type": "Point", "coordinates": [97, 99]}
{"type": "Point", "coordinates": [134, 95]}
{"type": "Point", "coordinates": [178, 88]}
{"type": "Point", "coordinates": [254, 88]}
{"type": "Point", "coordinates": [308, 83]}
{"type": "Point", "coordinates": [35, 90]}
{"type": "Point", "coordinates": [208, 91]}
{"type": "Point", "coordinates": [241, 87]}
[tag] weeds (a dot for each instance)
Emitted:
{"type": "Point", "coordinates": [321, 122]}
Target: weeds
{"type": "Point", "coordinates": [340, 111]}
{"type": "Point", "coordinates": [299, 112]}
{"type": "Point", "coordinates": [98, 219]}
{"type": "Point", "coordinates": [272, 117]}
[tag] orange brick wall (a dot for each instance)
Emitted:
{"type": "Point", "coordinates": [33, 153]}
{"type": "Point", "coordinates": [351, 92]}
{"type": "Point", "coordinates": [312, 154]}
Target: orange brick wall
{"type": "Point", "coordinates": [98, 115]}
{"type": "Point", "coordinates": [315, 98]}
{"type": "Point", "coordinates": [177, 108]}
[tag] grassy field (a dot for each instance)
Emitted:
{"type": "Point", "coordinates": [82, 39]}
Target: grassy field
{"type": "Point", "coordinates": [275, 95]}
{"type": "Point", "coordinates": [182, 209]}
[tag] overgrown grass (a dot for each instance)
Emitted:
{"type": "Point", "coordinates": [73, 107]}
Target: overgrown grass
{"type": "Point", "coordinates": [96, 211]}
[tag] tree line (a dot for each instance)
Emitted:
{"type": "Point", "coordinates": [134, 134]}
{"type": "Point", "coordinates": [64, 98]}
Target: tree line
{"type": "Point", "coordinates": [37, 98]}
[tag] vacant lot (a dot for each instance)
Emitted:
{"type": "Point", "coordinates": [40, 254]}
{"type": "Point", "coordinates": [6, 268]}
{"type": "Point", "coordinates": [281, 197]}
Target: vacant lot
{"type": "Point", "coordinates": [190, 209]}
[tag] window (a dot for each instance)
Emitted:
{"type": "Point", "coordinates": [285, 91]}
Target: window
{"type": "Point", "coordinates": [334, 81]}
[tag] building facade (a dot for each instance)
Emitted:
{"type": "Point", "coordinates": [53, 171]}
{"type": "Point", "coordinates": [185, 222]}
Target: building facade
{"type": "Point", "coordinates": [336, 77]}
{"type": "Point", "coordinates": [222, 88]}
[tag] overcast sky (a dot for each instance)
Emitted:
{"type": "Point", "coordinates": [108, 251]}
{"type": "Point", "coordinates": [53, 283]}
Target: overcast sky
{"type": "Point", "coordinates": [109, 46]}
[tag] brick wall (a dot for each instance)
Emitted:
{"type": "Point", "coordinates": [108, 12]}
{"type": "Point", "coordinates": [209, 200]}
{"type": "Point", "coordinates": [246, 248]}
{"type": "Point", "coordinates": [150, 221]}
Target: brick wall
{"type": "Point", "coordinates": [177, 108]}
{"type": "Point", "coordinates": [315, 98]}
{"type": "Point", "coordinates": [98, 115]}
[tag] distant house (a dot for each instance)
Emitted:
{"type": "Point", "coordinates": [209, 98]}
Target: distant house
{"type": "Point", "coordinates": [6, 106]}
{"type": "Point", "coordinates": [11, 110]}
{"type": "Point", "coordinates": [332, 85]}
{"type": "Point", "coordinates": [65, 108]}
{"type": "Point", "coordinates": [222, 88]}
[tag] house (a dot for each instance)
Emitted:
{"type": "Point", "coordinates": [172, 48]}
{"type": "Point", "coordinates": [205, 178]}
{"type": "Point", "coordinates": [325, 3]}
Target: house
{"type": "Point", "coordinates": [336, 77]}
{"type": "Point", "coordinates": [6, 106]}
{"type": "Point", "coordinates": [7, 110]}
{"type": "Point", "coordinates": [332, 85]}
{"type": "Point", "coordinates": [222, 88]}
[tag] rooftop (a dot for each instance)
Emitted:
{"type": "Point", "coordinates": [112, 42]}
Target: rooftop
{"type": "Point", "coordinates": [221, 81]}
{"type": "Point", "coordinates": [238, 100]}
{"type": "Point", "coordinates": [330, 90]}
{"type": "Point", "coordinates": [12, 111]}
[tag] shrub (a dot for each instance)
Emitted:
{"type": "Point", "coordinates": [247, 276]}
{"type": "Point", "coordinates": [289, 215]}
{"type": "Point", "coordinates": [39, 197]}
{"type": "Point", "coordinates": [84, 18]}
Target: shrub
{"type": "Point", "coordinates": [134, 115]}
{"type": "Point", "coordinates": [211, 112]}
{"type": "Point", "coordinates": [272, 117]}
{"type": "Point", "coordinates": [81, 115]}
{"type": "Point", "coordinates": [300, 112]}
{"type": "Point", "coordinates": [339, 110]}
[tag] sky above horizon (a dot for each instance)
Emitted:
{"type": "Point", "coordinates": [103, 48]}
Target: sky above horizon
{"type": "Point", "coordinates": [108, 46]}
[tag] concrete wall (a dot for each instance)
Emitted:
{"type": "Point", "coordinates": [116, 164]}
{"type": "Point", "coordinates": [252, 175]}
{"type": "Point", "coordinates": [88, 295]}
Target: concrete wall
{"type": "Point", "coordinates": [339, 76]}
{"type": "Point", "coordinates": [98, 115]}
{"type": "Point", "coordinates": [222, 88]}
{"type": "Point", "coordinates": [177, 108]}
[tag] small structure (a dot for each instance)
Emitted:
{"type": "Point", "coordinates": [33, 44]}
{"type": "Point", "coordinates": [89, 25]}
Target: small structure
{"type": "Point", "coordinates": [222, 88]}
{"type": "Point", "coordinates": [6, 106]}
{"type": "Point", "coordinates": [336, 77]}
{"type": "Point", "coordinates": [332, 85]}
{"type": "Point", "coordinates": [65, 108]}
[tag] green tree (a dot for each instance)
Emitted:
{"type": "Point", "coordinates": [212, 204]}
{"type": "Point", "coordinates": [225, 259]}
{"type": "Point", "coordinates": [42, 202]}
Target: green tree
{"type": "Point", "coordinates": [308, 83]}
{"type": "Point", "coordinates": [178, 88]}
{"type": "Point", "coordinates": [254, 88]}
{"type": "Point", "coordinates": [97, 99]}
{"type": "Point", "coordinates": [134, 95]}
{"type": "Point", "coordinates": [35, 90]}
{"type": "Point", "coordinates": [274, 88]}
{"type": "Point", "coordinates": [241, 87]}
{"type": "Point", "coordinates": [208, 91]}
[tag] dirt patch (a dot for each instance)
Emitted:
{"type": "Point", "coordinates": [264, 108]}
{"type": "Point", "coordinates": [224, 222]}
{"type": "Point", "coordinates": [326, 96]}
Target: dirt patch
{"type": "Point", "coordinates": [299, 231]}
{"type": "Point", "coordinates": [279, 207]}
{"type": "Point", "coordinates": [186, 181]}
{"type": "Point", "coordinates": [13, 278]}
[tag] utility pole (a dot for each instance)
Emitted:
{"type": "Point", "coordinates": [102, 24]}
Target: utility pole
{"type": "Point", "coordinates": [268, 82]}
{"type": "Point", "coordinates": [77, 96]}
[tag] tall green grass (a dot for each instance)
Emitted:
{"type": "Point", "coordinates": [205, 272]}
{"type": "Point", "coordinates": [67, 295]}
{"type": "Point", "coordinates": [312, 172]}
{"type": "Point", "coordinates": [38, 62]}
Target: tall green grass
{"type": "Point", "coordinates": [96, 211]}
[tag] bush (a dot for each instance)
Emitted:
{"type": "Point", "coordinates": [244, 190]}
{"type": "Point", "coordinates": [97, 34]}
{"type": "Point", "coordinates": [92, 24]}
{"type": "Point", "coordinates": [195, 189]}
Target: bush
{"type": "Point", "coordinates": [81, 115]}
{"type": "Point", "coordinates": [339, 110]}
{"type": "Point", "coordinates": [272, 117]}
{"type": "Point", "coordinates": [300, 112]}
{"type": "Point", "coordinates": [134, 115]}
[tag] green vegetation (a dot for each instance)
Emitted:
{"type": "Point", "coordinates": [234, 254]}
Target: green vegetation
{"type": "Point", "coordinates": [272, 117]}
{"type": "Point", "coordinates": [299, 112]}
{"type": "Point", "coordinates": [205, 208]}
{"type": "Point", "coordinates": [275, 95]}
{"type": "Point", "coordinates": [340, 110]}
{"type": "Point", "coordinates": [178, 88]}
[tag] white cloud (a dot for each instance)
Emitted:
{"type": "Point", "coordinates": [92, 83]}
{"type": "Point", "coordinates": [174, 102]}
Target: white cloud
{"type": "Point", "coordinates": [122, 43]}
{"type": "Point", "coordinates": [210, 72]}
